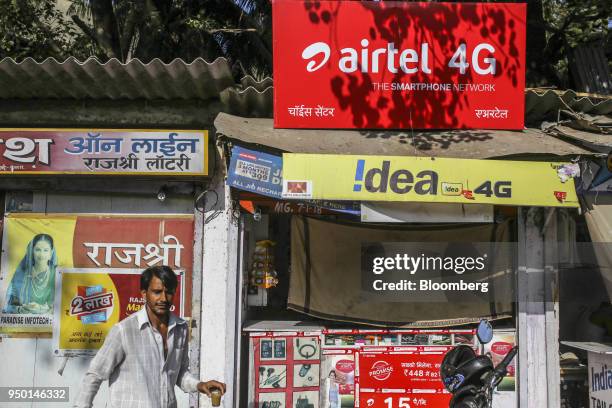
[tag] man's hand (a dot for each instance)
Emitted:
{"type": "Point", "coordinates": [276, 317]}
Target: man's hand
{"type": "Point", "coordinates": [205, 386]}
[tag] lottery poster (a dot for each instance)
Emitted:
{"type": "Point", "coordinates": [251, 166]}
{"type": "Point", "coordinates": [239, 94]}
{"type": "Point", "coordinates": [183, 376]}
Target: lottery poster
{"type": "Point", "coordinates": [91, 252]}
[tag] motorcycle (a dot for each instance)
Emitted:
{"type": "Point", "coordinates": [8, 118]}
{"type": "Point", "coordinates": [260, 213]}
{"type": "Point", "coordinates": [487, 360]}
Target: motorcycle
{"type": "Point", "coordinates": [471, 378]}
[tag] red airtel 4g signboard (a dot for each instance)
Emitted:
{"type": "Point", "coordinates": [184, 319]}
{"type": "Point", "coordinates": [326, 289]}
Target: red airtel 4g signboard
{"type": "Point", "coordinates": [366, 64]}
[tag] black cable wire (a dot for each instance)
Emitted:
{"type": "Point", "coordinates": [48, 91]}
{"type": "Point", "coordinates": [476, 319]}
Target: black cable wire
{"type": "Point", "coordinates": [202, 197]}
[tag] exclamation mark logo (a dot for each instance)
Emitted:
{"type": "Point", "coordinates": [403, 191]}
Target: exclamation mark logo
{"type": "Point", "coordinates": [359, 175]}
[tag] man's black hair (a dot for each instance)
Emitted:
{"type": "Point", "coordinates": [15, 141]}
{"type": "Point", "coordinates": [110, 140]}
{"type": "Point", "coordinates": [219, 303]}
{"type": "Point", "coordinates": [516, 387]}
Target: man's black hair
{"type": "Point", "coordinates": [164, 273]}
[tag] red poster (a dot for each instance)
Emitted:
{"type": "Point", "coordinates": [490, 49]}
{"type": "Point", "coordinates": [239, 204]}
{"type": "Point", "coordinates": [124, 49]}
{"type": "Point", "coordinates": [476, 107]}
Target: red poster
{"type": "Point", "coordinates": [286, 371]}
{"type": "Point", "coordinates": [366, 64]}
{"type": "Point", "coordinates": [135, 243]}
{"type": "Point", "coordinates": [103, 255]}
{"type": "Point", "coordinates": [405, 400]}
{"type": "Point", "coordinates": [100, 259]}
{"type": "Point", "coordinates": [395, 370]}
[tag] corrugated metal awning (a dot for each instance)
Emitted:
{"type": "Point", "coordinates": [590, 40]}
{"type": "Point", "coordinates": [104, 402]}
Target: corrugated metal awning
{"type": "Point", "coordinates": [92, 79]}
{"type": "Point", "coordinates": [475, 144]}
{"type": "Point", "coordinates": [250, 98]}
{"type": "Point", "coordinates": [543, 104]}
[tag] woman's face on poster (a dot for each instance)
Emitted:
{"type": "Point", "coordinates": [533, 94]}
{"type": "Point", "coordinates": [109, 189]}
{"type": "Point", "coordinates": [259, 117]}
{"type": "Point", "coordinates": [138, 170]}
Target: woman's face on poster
{"type": "Point", "coordinates": [42, 253]}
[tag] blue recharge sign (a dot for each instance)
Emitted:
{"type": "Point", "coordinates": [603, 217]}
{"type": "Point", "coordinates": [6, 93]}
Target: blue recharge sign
{"type": "Point", "coordinates": [256, 172]}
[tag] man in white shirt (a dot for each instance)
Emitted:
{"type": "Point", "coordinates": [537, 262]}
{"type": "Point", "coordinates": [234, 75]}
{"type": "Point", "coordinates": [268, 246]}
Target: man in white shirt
{"type": "Point", "coordinates": [145, 355]}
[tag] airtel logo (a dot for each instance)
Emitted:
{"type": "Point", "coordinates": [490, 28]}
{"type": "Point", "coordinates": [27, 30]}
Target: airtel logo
{"type": "Point", "coordinates": [313, 50]}
{"type": "Point", "coordinates": [381, 370]}
{"type": "Point", "coordinates": [352, 60]}
{"type": "Point", "coordinates": [394, 60]}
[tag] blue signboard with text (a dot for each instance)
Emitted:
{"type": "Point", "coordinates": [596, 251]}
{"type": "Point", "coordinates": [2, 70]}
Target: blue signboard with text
{"type": "Point", "coordinates": [256, 172]}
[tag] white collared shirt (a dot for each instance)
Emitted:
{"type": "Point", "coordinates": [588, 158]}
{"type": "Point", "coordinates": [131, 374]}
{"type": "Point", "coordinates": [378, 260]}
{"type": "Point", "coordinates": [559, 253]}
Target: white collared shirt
{"type": "Point", "coordinates": [132, 360]}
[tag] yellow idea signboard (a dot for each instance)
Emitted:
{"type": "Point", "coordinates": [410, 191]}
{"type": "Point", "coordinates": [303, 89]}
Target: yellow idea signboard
{"type": "Point", "coordinates": [427, 179]}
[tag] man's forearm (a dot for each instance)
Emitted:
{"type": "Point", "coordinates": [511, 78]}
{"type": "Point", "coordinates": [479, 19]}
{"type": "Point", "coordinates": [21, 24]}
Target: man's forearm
{"type": "Point", "coordinates": [185, 380]}
{"type": "Point", "coordinates": [89, 389]}
{"type": "Point", "coordinates": [188, 382]}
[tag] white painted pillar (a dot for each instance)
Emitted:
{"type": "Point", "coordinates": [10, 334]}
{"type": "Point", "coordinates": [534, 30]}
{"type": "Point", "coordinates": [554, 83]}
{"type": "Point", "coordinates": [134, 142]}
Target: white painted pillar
{"type": "Point", "coordinates": [551, 306]}
{"type": "Point", "coordinates": [219, 336]}
{"type": "Point", "coordinates": [538, 323]}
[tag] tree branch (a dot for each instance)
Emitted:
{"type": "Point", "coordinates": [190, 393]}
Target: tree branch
{"type": "Point", "coordinates": [106, 27]}
{"type": "Point", "coordinates": [84, 27]}
{"type": "Point", "coordinates": [90, 32]}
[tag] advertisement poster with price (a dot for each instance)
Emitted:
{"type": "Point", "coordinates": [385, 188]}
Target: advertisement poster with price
{"type": "Point", "coordinates": [373, 65]}
{"type": "Point", "coordinates": [401, 370]}
{"type": "Point", "coordinates": [402, 377]}
{"type": "Point", "coordinates": [104, 151]}
{"type": "Point", "coordinates": [254, 171]}
{"type": "Point", "coordinates": [415, 399]}
{"type": "Point", "coordinates": [426, 179]}
{"type": "Point", "coordinates": [37, 247]}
